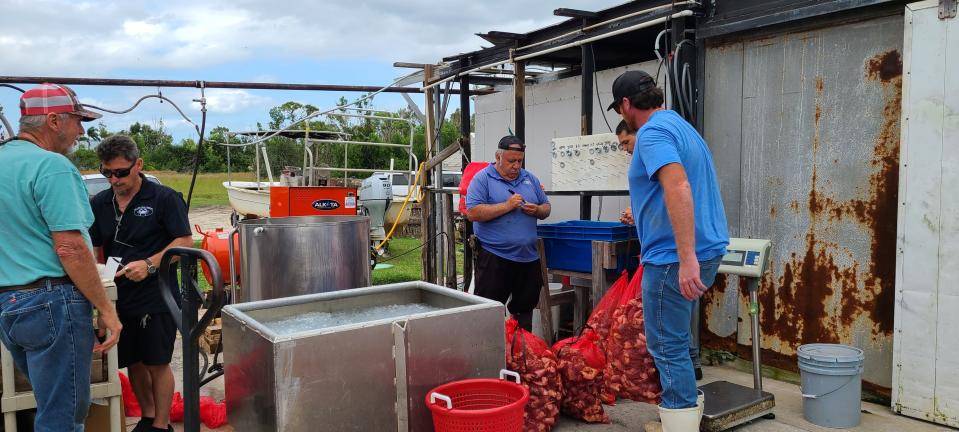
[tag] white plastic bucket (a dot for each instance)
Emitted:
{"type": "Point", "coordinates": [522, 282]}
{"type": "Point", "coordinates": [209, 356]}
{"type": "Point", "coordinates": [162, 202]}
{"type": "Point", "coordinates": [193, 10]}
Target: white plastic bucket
{"type": "Point", "coordinates": [831, 377]}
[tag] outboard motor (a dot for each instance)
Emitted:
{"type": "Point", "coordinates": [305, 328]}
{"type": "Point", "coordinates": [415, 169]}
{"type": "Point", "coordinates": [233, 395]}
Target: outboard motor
{"type": "Point", "coordinates": [375, 196]}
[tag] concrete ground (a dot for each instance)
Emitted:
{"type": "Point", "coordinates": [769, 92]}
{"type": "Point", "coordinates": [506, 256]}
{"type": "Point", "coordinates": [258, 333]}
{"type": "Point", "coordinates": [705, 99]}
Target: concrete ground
{"type": "Point", "coordinates": [213, 389]}
{"type": "Point", "coordinates": [631, 416]}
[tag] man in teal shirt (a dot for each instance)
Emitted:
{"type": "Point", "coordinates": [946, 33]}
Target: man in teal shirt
{"type": "Point", "coordinates": [48, 277]}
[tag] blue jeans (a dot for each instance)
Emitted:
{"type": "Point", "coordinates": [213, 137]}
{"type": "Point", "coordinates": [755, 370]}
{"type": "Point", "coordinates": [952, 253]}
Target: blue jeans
{"type": "Point", "coordinates": [49, 331]}
{"type": "Point", "coordinates": [694, 342]}
{"type": "Point", "coordinates": [667, 315]}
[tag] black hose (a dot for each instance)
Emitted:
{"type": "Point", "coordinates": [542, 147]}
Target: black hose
{"type": "Point", "coordinates": [196, 158]}
{"type": "Point", "coordinates": [13, 87]}
{"type": "Point", "coordinates": [596, 87]}
{"type": "Point", "coordinates": [413, 249]}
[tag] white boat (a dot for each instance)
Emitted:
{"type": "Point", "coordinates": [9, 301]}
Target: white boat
{"type": "Point", "coordinates": [249, 198]}
{"type": "Point", "coordinates": [252, 198]}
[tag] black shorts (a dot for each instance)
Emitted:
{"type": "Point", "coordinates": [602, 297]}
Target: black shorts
{"type": "Point", "coordinates": [499, 278]}
{"type": "Point", "coordinates": [146, 339]}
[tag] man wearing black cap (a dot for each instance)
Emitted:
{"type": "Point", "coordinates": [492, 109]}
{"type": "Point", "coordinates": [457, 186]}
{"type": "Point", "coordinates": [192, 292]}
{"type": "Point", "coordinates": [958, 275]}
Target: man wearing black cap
{"type": "Point", "coordinates": [682, 229]}
{"type": "Point", "coordinates": [627, 139]}
{"type": "Point", "coordinates": [504, 201]}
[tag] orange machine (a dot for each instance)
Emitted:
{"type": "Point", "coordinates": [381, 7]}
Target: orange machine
{"type": "Point", "coordinates": [312, 201]}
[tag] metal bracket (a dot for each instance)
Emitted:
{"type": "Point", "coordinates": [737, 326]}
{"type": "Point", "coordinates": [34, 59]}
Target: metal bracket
{"type": "Point", "coordinates": [948, 9]}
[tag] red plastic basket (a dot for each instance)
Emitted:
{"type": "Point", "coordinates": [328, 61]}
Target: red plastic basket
{"type": "Point", "coordinates": [479, 405]}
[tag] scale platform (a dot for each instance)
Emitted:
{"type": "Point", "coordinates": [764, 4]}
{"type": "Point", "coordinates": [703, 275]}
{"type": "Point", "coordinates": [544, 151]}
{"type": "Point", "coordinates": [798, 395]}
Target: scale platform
{"type": "Point", "coordinates": [728, 405]}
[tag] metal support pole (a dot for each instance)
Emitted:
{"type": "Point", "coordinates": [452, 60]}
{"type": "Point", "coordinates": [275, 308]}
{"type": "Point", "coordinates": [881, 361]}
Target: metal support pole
{"type": "Point", "coordinates": [184, 314]}
{"type": "Point", "coordinates": [753, 285]}
{"type": "Point", "coordinates": [585, 206]}
{"type": "Point", "coordinates": [6, 125]}
{"type": "Point", "coordinates": [191, 352]}
{"type": "Point", "coordinates": [436, 217]}
{"type": "Point", "coordinates": [586, 94]}
{"type": "Point", "coordinates": [519, 100]}
{"type": "Point", "coordinates": [229, 170]}
{"type": "Point", "coordinates": [450, 240]}
{"type": "Point", "coordinates": [209, 84]}
{"type": "Point", "coordinates": [426, 208]}
{"type": "Point", "coordinates": [465, 146]}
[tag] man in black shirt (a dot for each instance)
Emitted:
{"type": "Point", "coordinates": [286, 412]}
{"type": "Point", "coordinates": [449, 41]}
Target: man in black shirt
{"type": "Point", "coordinates": [136, 221]}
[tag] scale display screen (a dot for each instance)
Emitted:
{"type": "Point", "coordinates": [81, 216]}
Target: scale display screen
{"type": "Point", "coordinates": [746, 257]}
{"type": "Point", "coordinates": [733, 258]}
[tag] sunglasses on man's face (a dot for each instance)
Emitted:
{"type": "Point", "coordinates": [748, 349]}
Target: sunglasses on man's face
{"type": "Point", "coordinates": [119, 173]}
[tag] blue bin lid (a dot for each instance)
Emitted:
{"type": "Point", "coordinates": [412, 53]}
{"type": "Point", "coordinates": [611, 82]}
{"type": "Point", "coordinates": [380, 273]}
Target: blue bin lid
{"type": "Point", "coordinates": [831, 353]}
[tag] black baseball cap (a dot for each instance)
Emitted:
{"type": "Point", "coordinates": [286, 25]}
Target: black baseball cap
{"type": "Point", "coordinates": [629, 84]}
{"type": "Point", "coordinates": [511, 142]}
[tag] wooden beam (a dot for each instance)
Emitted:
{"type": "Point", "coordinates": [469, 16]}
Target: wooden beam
{"type": "Point", "coordinates": [409, 65]}
{"type": "Point", "coordinates": [444, 154]}
{"type": "Point", "coordinates": [545, 308]}
{"type": "Point", "coordinates": [426, 252]}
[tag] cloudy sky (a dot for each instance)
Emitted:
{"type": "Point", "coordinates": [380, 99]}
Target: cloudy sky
{"type": "Point", "coordinates": [297, 41]}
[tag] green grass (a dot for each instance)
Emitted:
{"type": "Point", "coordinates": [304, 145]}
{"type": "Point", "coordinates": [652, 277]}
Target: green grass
{"type": "Point", "coordinates": [406, 267]}
{"type": "Point", "coordinates": [208, 190]}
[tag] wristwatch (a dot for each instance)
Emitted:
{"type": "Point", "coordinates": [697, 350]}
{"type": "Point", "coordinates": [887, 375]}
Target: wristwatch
{"type": "Point", "coordinates": [151, 269]}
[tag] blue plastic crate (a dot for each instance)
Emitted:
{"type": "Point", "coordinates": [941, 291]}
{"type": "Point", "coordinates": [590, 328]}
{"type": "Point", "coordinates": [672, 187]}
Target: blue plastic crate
{"type": "Point", "coordinates": [569, 244]}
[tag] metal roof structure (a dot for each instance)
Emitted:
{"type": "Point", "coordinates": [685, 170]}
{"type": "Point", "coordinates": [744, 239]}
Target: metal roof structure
{"type": "Point", "coordinates": [295, 134]}
{"type": "Point", "coordinates": [614, 33]}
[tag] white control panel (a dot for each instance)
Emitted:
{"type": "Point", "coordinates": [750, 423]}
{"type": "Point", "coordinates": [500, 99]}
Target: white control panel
{"type": "Point", "coordinates": [589, 163]}
{"type": "Point", "coordinates": [746, 257]}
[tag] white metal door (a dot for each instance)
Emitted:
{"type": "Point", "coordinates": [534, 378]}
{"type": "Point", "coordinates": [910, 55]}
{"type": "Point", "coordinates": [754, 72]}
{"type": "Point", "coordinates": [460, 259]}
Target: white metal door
{"type": "Point", "coordinates": [926, 353]}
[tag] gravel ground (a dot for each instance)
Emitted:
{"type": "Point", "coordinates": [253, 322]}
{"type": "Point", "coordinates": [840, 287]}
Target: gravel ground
{"type": "Point", "coordinates": [209, 218]}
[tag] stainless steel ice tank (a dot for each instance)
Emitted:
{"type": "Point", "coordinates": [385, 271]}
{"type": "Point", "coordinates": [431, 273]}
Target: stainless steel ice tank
{"type": "Point", "coordinates": [367, 375]}
{"type": "Point", "coordinates": [282, 257]}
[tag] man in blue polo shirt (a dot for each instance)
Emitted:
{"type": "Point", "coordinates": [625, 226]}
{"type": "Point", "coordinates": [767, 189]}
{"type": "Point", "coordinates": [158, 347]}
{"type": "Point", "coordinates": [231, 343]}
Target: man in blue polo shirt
{"type": "Point", "coordinates": [504, 201]}
{"type": "Point", "coordinates": [681, 223]}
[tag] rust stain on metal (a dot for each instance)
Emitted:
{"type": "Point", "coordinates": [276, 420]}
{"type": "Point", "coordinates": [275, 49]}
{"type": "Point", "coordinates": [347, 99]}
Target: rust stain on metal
{"type": "Point", "coordinates": [799, 309]}
{"type": "Point", "coordinates": [882, 213]}
{"type": "Point", "coordinates": [885, 67]}
{"type": "Point", "coordinates": [821, 293]}
{"type": "Point", "coordinates": [819, 90]}
{"type": "Point", "coordinates": [710, 301]}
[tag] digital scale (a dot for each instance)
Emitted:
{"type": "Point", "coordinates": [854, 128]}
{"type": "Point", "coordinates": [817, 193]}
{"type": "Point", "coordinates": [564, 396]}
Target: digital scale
{"type": "Point", "coordinates": [727, 404]}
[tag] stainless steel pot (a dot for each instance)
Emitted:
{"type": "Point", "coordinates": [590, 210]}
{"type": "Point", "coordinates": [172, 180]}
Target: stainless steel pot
{"type": "Point", "coordinates": [282, 257]}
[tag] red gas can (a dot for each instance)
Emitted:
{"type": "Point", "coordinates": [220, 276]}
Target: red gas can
{"type": "Point", "coordinates": [217, 242]}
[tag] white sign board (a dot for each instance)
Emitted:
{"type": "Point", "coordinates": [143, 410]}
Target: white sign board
{"type": "Point", "coordinates": [589, 163]}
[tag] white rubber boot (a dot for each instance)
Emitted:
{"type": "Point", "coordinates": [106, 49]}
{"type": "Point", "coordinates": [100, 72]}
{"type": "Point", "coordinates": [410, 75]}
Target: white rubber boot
{"type": "Point", "coordinates": [659, 427]}
{"type": "Point", "coordinates": [700, 402]}
{"type": "Point", "coordinates": [680, 420]}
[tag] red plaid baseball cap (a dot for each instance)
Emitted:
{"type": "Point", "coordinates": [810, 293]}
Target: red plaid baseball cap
{"type": "Point", "coordinates": [50, 98]}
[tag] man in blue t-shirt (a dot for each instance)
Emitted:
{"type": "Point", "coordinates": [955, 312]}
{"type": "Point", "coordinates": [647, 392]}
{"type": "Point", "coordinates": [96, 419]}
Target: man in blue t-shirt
{"type": "Point", "coordinates": [674, 195]}
{"type": "Point", "coordinates": [504, 201]}
{"type": "Point", "coordinates": [48, 278]}
{"type": "Point", "coordinates": [627, 139]}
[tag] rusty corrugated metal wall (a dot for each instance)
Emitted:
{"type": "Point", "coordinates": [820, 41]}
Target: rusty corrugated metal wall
{"type": "Point", "coordinates": [804, 127]}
